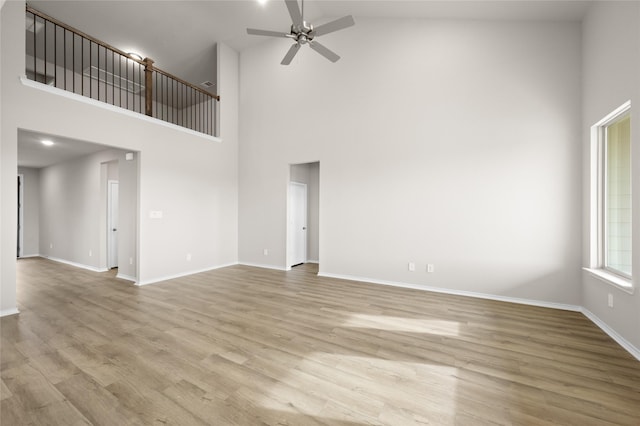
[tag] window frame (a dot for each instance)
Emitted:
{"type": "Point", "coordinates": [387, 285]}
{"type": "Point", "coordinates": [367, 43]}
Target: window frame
{"type": "Point", "coordinates": [598, 265]}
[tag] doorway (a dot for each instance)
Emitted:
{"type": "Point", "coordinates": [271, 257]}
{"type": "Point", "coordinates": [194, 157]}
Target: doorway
{"type": "Point", "coordinates": [20, 233]}
{"type": "Point", "coordinates": [303, 214]}
{"type": "Point", "coordinates": [112, 224]}
{"type": "Point", "coordinates": [297, 224]}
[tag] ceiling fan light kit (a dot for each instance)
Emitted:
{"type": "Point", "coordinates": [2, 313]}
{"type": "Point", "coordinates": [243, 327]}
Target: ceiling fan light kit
{"type": "Point", "coordinates": [303, 32]}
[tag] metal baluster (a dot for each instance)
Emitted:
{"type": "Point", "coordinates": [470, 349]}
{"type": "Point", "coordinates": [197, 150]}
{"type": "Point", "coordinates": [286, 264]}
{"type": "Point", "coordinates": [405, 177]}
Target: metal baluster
{"type": "Point", "coordinates": [45, 52]}
{"type": "Point", "coordinates": [35, 49]}
{"type": "Point", "coordinates": [98, 70]}
{"type": "Point", "coordinates": [66, 68]}
{"type": "Point", "coordinates": [55, 55]}
{"type": "Point", "coordinates": [73, 56]}
{"type": "Point", "coordinates": [90, 69]}
{"type": "Point", "coordinates": [113, 77]}
{"type": "Point", "coordinates": [82, 65]}
{"type": "Point", "coordinates": [126, 78]}
{"type": "Point", "coordinates": [139, 83]}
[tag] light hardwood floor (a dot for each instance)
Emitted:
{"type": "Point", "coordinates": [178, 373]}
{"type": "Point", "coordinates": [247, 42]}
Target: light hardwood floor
{"type": "Point", "coordinates": [247, 346]}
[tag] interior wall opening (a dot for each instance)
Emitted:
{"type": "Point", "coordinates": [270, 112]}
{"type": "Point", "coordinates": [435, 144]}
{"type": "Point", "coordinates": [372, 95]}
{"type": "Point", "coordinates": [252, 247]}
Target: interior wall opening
{"type": "Point", "coordinates": [77, 215]}
{"type": "Point", "coordinates": [303, 214]}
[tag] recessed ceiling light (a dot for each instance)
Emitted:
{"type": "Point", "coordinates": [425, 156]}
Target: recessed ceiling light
{"type": "Point", "coordinates": [47, 142]}
{"type": "Point", "coordinates": [135, 56]}
{"type": "Point", "coordinates": [262, 1]}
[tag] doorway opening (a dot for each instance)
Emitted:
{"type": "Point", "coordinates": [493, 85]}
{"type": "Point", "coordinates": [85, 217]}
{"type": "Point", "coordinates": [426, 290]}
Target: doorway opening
{"type": "Point", "coordinates": [112, 224]}
{"type": "Point", "coordinates": [297, 224]}
{"type": "Point", "coordinates": [20, 240]}
{"type": "Point", "coordinates": [65, 204]}
{"type": "Point", "coordinates": [303, 211]}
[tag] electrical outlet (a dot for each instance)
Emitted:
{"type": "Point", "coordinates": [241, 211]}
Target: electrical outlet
{"type": "Point", "coordinates": [90, 253]}
{"type": "Point", "coordinates": [188, 257]}
{"type": "Point", "coordinates": [412, 266]}
{"type": "Point", "coordinates": [430, 268]}
{"type": "Point", "coordinates": [610, 300]}
{"type": "Point", "coordinates": [265, 252]}
{"type": "Point", "coordinates": [50, 245]}
{"type": "Point", "coordinates": [131, 261]}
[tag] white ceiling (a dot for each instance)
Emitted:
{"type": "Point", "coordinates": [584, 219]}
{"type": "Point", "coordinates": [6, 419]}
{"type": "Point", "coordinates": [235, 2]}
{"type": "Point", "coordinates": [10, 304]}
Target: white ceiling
{"type": "Point", "coordinates": [32, 153]}
{"type": "Point", "coordinates": [180, 35]}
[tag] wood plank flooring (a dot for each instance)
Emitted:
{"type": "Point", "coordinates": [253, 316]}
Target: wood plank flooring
{"type": "Point", "coordinates": [248, 346]}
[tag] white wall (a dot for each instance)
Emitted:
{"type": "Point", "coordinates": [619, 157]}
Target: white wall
{"type": "Point", "coordinates": [73, 205]}
{"type": "Point", "coordinates": [226, 169]}
{"type": "Point", "coordinates": [611, 63]}
{"type": "Point", "coordinates": [31, 211]}
{"type": "Point", "coordinates": [8, 168]}
{"type": "Point", "coordinates": [128, 182]}
{"type": "Point", "coordinates": [191, 178]}
{"type": "Point", "coordinates": [455, 143]}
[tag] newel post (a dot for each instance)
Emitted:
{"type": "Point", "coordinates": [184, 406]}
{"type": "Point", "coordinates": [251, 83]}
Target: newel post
{"type": "Point", "coordinates": [148, 89]}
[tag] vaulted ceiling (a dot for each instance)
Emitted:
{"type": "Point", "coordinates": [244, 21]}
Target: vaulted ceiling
{"type": "Point", "coordinates": [180, 35]}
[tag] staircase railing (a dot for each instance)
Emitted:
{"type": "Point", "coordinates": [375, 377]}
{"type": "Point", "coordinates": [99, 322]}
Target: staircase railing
{"type": "Point", "coordinates": [66, 58]}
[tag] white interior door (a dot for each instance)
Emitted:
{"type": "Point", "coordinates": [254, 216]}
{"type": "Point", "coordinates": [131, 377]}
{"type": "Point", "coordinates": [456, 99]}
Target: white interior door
{"type": "Point", "coordinates": [112, 223]}
{"type": "Point", "coordinates": [297, 224]}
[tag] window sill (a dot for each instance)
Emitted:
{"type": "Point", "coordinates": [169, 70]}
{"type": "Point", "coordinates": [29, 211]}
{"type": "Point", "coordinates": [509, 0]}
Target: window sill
{"type": "Point", "coordinates": [611, 279]}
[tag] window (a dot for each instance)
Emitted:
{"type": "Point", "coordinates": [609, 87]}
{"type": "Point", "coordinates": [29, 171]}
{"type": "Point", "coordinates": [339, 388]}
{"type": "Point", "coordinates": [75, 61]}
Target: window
{"type": "Point", "coordinates": [616, 238]}
{"type": "Point", "coordinates": [611, 178]}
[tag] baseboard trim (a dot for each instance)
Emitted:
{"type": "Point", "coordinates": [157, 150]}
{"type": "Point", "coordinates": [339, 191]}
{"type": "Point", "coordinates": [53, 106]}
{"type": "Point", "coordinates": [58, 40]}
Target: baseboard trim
{"type": "Point", "coordinates": [27, 256]}
{"type": "Point", "coordinates": [313, 261]}
{"type": "Point", "coordinates": [612, 333]}
{"type": "Point", "coordinates": [126, 277]}
{"type": "Point", "coordinates": [7, 312]}
{"type": "Point", "coordinates": [76, 264]}
{"type": "Point", "coordinates": [183, 274]}
{"type": "Point", "coordinates": [635, 352]}
{"type": "Point", "coordinates": [521, 301]}
{"type": "Point", "coordinates": [259, 265]}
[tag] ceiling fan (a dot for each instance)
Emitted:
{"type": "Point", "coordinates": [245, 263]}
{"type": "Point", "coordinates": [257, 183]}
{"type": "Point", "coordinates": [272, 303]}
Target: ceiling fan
{"type": "Point", "coordinates": [303, 32]}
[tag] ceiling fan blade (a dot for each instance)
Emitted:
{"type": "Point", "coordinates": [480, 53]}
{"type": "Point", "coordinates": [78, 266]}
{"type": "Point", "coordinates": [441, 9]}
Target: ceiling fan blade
{"type": "Point", "coordinates": [253, 31]}
{"type": "Point", "coordinates": [338, 24]}
{"type": "Point", "coordinates": [324, 51]}
{"type": "Point", "coordinates": [294, 12]}
{"type": "Point", "coordinates": [290, 54]}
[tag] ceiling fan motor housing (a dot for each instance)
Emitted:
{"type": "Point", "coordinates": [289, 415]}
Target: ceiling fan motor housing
{"type": "Point", "coordinates": [302, 34]}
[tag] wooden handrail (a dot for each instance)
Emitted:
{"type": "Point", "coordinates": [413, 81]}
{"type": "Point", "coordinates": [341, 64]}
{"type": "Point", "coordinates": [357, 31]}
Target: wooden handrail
{"type": "Point", "coordinates": [186, 83]}
{"type": "Point", "coordinates": [115, 49]}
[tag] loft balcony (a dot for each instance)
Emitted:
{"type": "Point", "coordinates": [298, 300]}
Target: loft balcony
{"type": "Point", "coordinates": [61, 56]}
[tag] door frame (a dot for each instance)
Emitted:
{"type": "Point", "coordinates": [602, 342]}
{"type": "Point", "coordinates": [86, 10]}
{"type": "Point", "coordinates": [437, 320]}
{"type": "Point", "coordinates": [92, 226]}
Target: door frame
{"type": "Point", "coordinates": [290, 231]}
{"type": "Point", "coordinates": [20, 230]}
